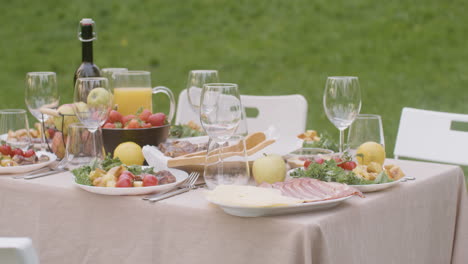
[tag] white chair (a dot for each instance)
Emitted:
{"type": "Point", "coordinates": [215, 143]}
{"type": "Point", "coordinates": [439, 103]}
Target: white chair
{"type": "Point", "coordinates": [288, 113]}
{"type": "Point", "coordinates": [17, 250]}
{"type": "Point", "coordinates": [428, 135]}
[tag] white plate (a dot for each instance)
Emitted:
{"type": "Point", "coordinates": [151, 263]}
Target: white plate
{"type": "Point", "coordinates": [291, 209]}
{"type": "Point", "coordinates": [366, 188]}
{"type": "Point", "coordinates": [179, 174]}
{"type": "Point", "coordinates": [32, 167]}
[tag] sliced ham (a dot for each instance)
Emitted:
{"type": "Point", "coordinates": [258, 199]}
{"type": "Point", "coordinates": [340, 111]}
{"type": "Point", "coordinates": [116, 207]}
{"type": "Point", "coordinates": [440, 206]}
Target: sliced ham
{"type": "Point", "coordinates": [312, 190]}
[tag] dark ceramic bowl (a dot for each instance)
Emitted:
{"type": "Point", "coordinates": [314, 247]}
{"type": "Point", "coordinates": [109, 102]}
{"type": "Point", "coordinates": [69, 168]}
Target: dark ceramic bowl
{"type": "Point", "coordinates": [142, 136]}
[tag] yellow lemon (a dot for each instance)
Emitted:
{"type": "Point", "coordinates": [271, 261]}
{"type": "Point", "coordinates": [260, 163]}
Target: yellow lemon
{"type": "Point", "coordinates": [129, 153]}
{"type": "Point", "coordinates": [370, 152]}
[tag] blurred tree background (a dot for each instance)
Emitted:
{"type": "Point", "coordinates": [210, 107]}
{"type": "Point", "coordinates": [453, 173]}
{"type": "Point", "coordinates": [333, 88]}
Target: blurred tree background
{"type": "Point", "coordinates": [405, 53]}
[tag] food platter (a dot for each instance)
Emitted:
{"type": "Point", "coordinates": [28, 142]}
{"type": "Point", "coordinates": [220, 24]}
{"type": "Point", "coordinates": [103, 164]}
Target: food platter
{"type": "Point", "coordinates": [31, 167]}
{"type": "Point", "coordinates": [279, 210]}
{"type": "Point", "coordinates": [366, 188]}
{"type": "Point", "coordinates": [179, 174]}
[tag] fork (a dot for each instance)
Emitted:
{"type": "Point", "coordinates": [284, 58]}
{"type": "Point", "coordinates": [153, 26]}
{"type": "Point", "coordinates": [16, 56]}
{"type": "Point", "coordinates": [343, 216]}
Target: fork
{"type": "Point", "coordinates": [191, 178]}
{"type": "Point", "coordinates": [189, 186]}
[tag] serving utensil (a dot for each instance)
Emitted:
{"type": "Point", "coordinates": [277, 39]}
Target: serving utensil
{"type": "Point", "coordinates": [188, 185]}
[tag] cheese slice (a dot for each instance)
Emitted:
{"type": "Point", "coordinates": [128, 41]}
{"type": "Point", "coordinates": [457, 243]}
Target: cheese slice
{"type": "Point", "coordinates": [249, 196]}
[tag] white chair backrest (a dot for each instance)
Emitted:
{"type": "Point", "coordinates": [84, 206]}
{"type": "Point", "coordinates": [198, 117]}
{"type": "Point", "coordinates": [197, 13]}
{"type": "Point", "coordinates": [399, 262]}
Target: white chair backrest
{"type": "Point", "coordinates": [428, 135]}
{"type": "Point", "coordinates": [288, 113]}
{"type": "Point", "coordinates": [17, 250]}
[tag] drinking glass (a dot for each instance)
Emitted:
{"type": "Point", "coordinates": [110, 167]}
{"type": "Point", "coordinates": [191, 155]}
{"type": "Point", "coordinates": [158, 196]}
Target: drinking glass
{"type": "Point", "coordinates": [92, 104]}
{"type": "Point", "coordinates": [14, 128]}
{"type": "Point", "coordinates": [220, 115]}
{"type": "Point", "coordinates": [365, 128]}
{"type": "Point", "coordinates": [79, 150]}
{"type": "Point", "coordinates": [342, 102]}
{"type": "Point", "coordinates": [109, 74]}
{"type": "Point", "coordinates": [41, 92]}
{"type": "Point", "coordinates": [132, 90]}
{"type": "Point", "coordinates": [195, 82]}
{"type": "Point", "coordinates": [234, 163]}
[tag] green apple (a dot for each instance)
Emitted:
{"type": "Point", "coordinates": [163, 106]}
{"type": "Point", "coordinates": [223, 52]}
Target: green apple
{"type": "Point", "coordinates": [270, 169]}
{"type": "Point", "coordinates": [66, 117]}
{"type": "Point", "coordinates": [99, 97]}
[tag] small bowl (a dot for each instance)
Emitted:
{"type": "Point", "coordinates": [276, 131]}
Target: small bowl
{"type": "Point", "coordinates": [112, 137]}
{"type": "Point", "coordinates": [297, 158]}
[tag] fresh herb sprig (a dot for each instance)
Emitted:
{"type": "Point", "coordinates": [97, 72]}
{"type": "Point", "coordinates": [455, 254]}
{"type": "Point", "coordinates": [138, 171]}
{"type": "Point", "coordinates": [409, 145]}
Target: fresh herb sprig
{"type": "Point", "coordinates": [182, 131]}
{"type": "Point", "coordinates": [325, 142]}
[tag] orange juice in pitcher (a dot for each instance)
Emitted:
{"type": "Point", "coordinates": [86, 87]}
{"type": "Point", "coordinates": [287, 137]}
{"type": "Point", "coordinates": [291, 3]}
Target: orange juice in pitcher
{"type": "Point", "coordinates": [132, 90]}
{"type": "Point", "coordinates": [130, 99]}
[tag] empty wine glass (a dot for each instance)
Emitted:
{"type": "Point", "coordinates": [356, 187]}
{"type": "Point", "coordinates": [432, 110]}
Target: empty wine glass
{"type": "Point", "coordinates": [342, 102]}
{"type": "Point", "coordinates": [220, 115]}
{"type": "Point", "coordinates": [195, 82]}
{"type": "Point", "coordinates": [92, 104]}
{"type": "Point", "coordinates": [14, 128]}
{"type": "Point", "coordinates": [365, 128]}
{"type": "Point", "coordinates": [41, 92]}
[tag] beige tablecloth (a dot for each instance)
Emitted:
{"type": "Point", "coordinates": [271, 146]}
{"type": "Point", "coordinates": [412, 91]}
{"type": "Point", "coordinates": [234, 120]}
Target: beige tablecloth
{"type": "Point", "coordinates": [421, 221]}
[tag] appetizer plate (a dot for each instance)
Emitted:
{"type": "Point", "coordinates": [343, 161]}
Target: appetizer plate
{"type": "Point", "coordinates": [367, 188]}
{"type": "Point", "coordinates": [279, 210]}
{"type": "Point", "coordinates": [179, 174]}
{"type": "Point", "coordinates": [32, 167]}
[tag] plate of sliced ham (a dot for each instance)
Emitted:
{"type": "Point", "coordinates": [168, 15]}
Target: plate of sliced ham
{"type": "Point", "coordinates": [289, 197]}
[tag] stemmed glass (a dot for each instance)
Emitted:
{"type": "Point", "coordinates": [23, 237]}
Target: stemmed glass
{"type": "Point", "coordinates": [92, 103]}
{"type": "Point", "coordinates": [41, 92]}
{"type": "Point", "coordinates": [342, 102]}
{"type": "Point", "coordinates": [195, 82]}
{"type": "Point", "coordinates": [220, 115]}
{"type": "Point", "coordinates": [14, 128]}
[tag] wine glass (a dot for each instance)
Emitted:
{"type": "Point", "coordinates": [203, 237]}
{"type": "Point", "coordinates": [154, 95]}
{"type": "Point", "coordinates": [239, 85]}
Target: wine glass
{"type": "Point", "coordinates": [195, 82]}
{"type": "Point", "coordinates": [365, 128]}
{"type": "Point", "coordinates": [41, 92]}
{"type": "Point", "coordinates": [92, 104]}
{"type": "Point", "coordinates": [342, 102]}
{"type": "Point", "coordinates": [79, 150]}
{"type": "Point", "coordinates": [14, 128]}
{"type": "Point", "coordinates": [220, 115]}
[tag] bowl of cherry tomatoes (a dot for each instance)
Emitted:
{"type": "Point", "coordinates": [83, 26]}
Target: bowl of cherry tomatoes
{"type": "Point", "coordinates": [143, 128]}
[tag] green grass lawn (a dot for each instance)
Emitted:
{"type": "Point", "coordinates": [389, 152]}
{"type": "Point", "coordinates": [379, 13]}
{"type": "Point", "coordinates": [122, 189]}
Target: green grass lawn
{"type": "Point", "coordinates": [405, 54]}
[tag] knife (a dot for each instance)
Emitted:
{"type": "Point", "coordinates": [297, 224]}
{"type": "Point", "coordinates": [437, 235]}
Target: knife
{"type": "Point", "coordinates": [43, 174]}
{"type": "Point", "coordinates": [170, 194]}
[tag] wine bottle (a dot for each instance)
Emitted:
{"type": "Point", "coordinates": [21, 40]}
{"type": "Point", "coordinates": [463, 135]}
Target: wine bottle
{"type": "Point", "coordinates": [87, 36]}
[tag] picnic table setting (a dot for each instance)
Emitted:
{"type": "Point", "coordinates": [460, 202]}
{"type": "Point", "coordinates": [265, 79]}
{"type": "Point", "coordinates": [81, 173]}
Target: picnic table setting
{"type": "Point", "coordinates": [107, 179]}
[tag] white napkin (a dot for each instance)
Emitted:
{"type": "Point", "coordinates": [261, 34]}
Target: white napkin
{"type": "Point", "coordinates": [155, 158]}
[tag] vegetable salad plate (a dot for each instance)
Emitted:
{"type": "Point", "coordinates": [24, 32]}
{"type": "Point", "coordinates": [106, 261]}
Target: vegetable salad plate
{"type": "Point", "coordinates": [179, 174]}
{"type": "Point", "coordinates": [31, 167]}
{"type": "Point", "coordinates": [279, 210]}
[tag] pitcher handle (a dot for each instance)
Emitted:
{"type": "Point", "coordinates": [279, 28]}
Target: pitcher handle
{"type": "Point", "coordinates": [168, 92]}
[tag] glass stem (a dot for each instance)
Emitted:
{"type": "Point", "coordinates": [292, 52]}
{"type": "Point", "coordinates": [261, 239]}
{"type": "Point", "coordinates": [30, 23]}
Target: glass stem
{"type": "Point", "coordinates": [341, 140]}
{"type": "Point", "coordinates": [43, 137]}
{"type": "Point", "coordinates": [93, 138]}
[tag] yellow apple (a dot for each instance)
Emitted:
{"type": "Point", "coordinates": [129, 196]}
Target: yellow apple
{"type": "Point", "coordinates": [270, 169]}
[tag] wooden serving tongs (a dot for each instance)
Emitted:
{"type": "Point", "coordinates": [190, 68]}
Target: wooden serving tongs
{"type": "Point", "coordinates": [253, 143]}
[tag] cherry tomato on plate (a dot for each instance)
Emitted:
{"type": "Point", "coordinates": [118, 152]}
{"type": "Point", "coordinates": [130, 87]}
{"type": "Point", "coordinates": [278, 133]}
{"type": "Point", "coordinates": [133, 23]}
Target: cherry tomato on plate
{"type": "Point", "coordinates": [29, 153]}
{"type": "Point", "coordinates": [348, 165]}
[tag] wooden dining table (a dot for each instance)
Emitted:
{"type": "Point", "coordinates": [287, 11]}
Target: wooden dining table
{"type": "Point", "coordinates": [419, 221]}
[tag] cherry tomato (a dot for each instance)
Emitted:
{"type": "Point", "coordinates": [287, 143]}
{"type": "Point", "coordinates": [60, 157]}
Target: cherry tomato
{"type": "Point", "coordinates": [157, 119]}
{"type": "Point", "coordinates": [319, 160]}
{"type": "Point", "coordinates": [150, 180]}
{"type": "Point", "coordinates": [108, 125]}
{"type": "Point", "coordinates": [145, 114]}
{"type": "Point", "coordinates": [348, 165]}
{"type": "Point", "coordinates": [124, 182]}
{"type": "Point", "coordinates": [29, 153]}
{"type": "Point", "coordinates": [18, 152]}
{"type": "Point", "coordinates": [307, 163]}
{"type": "Point", "coordinates": [133, 124]}
{"type": "Point", "coordinates": [127, 119]}
{"type": "Point", "coordinates": [127, 173]}
{"type": "Point", "coordinates": [114, 116]}
{"type": "Point", "coordinates": [6, 150]}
